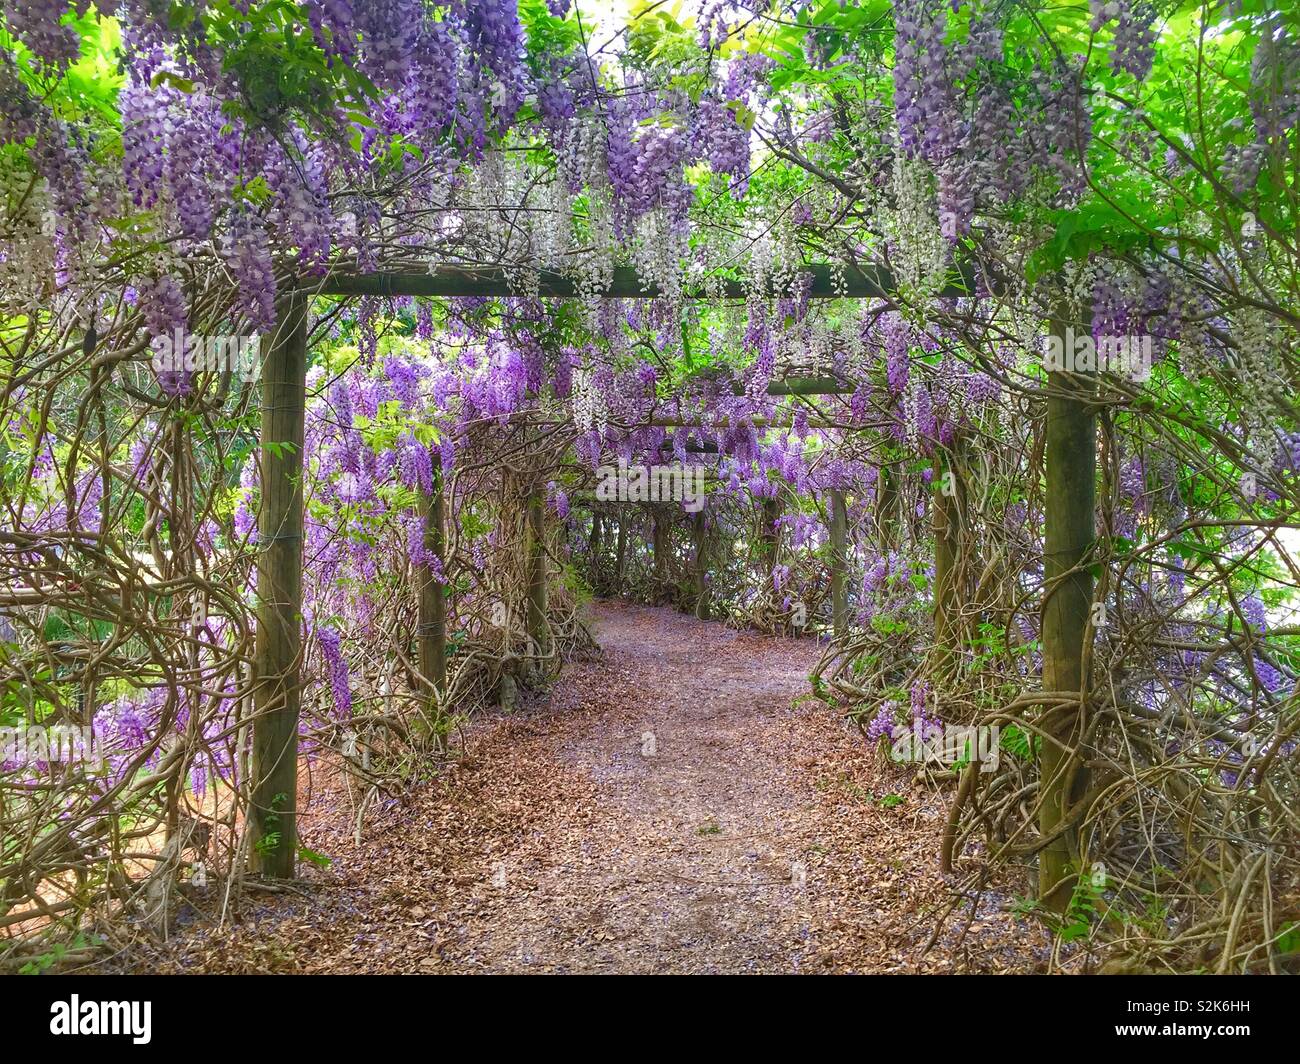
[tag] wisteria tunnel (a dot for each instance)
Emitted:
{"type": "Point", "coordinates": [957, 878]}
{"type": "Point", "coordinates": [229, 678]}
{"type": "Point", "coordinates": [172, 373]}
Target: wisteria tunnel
{"type": "Point", "coordinates": [772, 485]}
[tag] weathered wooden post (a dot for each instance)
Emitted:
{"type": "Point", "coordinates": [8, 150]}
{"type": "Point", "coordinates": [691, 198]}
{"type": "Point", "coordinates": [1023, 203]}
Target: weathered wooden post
{"type": "Point", "coordinates": [622, 551]}
{"type": "Point", "coordinates": [839, 535]}
{"type": "Point", "coordinates": [887, 508]}
{"type": "Point", "coordinates": [701, 568]}
{"type": "Point", "coordinates": [768, 543]}
{"type": "Point", "coordinates": [594, 546]}
{"type": "Point", "coordinates": [1071, 470]}
{"type": "Point", "coordinates": [660, 545]}
{"type": "Point", "coordinates": [433, 604]}
{"type": "Point", "coordinates": [947, 531]}
{"type": "Point", "coordinates": [537, 627]}
{"type": "Point", "coordinates": [769, 514]}
{"type": "Point", "coordinates": [274, 799]}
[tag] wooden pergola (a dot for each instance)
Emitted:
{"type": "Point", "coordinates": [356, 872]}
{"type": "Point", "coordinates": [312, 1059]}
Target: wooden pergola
{"type": "Point", "coordinates": [1070, 459]}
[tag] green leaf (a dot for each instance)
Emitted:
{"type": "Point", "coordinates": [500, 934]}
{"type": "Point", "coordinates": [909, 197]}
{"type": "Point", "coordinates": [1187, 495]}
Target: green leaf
{"type": "Point", "coordinates": [318, 859]}
{"type": "Point", "coordinates": [168, 77]}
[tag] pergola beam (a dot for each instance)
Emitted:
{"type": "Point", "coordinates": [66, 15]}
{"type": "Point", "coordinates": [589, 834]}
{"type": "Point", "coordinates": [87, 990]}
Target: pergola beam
{"type": "Point", "coordinates": [804, 386]}
{"type": "Point", "coordinates": [846, 282]}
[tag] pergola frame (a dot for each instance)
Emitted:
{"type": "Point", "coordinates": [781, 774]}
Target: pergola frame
{"type": "Point", "coordinates": [273, 801]}
{"type": "Point", "coordinates": [849, 281]}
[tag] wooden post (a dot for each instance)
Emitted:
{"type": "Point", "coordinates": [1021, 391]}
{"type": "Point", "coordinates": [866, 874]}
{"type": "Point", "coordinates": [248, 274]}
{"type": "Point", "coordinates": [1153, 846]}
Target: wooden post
{"type": "Point", "coordinates": [660, 545]}
{"type": "Point", "coordinates": [1071, 469]}
{"type": "Point", "coordinates": [769, 542]}
{"type": "Point", "coordinates": [274, 799]}
{"type": "Point", "coordinates": [839, 601]}
{"type": "Point", "coordinates": [947, 532]}
{"type": "Point", "coordinates": [593, 547]}
{"type": "Point", "coordinates": [433, 602]}
{"type": "Point", "coordinates": [622, 551]}
{"type": "Point", "coordinates": [701, 568]}
{"type": "Point", "coordinates": [886, 508]}
{"type": "Point", "coordinates": [769, 514]}
{"type": "Point", "coordinates": [537, 627]}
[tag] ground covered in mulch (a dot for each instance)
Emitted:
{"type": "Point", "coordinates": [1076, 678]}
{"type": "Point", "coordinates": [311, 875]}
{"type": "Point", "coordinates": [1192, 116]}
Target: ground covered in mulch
{"type": "Point", "coordinates": [671, 806]}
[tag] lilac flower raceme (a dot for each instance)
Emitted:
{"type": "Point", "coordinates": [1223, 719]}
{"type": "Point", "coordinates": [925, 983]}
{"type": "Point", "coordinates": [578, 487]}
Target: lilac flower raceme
{"type": "Point", "coordinates": [1134, 45]}
{"type": "Point", "coordinates": [337, 669]}
{"type": "Point", "coordinates": [1252, 609]}
{"type": "Point", "coordinates": [333, 25]}
{"type": "Point", "coordinates": [496, 40]}
{"type": "Point", "coordinates": [897, 342]}
{"type": "Point", "coordinates": [38, 24]}
{"type": "Point", "coordinates": [720, 137]}
{"type": "Point", "coordinates": [247, 253]}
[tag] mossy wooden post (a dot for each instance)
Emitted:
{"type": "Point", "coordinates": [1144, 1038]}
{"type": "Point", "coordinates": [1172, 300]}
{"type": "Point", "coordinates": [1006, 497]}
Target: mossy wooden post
{"type": "Point", "coordinates": [1071, 469]}
{"type": "Point", "coordinates": [839, 601]}
{"type": "Point", "coordinates": [537, 627]}
{"type": "Point", "coordinates": [622, 551]}
{"type": "Point", "coordinates": [947, 541]}
{"type": "Point", "coordinates": [886, 508]}
{"type": "Point", "coordinates": [701, 568]}
{"type": "Point", "coordinates": [273, 802]}
{"type": "Point", "coordinates": [769, 514]}
{"type": "Point", "coordinates": [433, 603]}
{"type": "Point", "coordinates": [593, 546]}
{"type": "Point", "coordinates": [660, 545]}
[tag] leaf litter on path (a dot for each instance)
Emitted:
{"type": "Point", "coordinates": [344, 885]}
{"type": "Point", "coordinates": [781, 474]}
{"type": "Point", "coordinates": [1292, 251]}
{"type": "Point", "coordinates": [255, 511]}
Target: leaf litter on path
{"type": "Point", "coordinates": [668, 807]}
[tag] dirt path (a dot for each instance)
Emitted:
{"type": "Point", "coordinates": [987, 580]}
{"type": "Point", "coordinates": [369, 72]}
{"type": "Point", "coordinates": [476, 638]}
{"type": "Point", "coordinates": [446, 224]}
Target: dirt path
{"type": "Point", "coordinates": [667, 809]}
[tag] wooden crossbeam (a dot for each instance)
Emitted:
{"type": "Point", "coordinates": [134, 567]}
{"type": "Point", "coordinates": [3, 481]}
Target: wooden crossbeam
{"type": "Point", "coordinates": [804, 386]}
{"type": "Point", "coordinates": [852, 282]}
